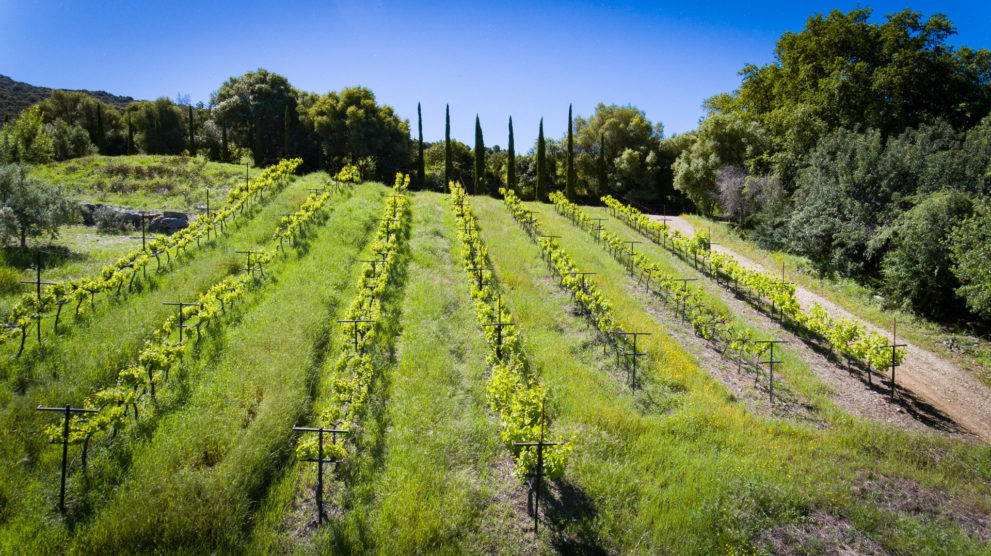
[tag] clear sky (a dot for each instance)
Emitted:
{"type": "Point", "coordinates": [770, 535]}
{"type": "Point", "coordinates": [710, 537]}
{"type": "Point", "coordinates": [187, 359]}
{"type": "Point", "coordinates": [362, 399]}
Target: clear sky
{"type": "Point", "coordinates": [523, 59]}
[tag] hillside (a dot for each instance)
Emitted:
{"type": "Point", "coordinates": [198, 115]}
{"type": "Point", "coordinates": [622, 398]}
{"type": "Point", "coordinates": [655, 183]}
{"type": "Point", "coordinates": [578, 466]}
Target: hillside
{"type": "Point", "coordinates": [16, 96]}
{"type": "Point", "coordinates": [371, 310]}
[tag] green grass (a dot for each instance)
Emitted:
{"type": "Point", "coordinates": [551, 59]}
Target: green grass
{"type": "Point", "coordinates": [443, 481]}
{"type": "Point", "coordinates": [152, 182]}
{"type": "Point", "coordinates": [964, 347]}
{"type": "Point", "coordinates": [90, 357]}
{"type": "Point", "coordinates": [196, 480]}
{"type": "Point", "coordinates": [696, 472]}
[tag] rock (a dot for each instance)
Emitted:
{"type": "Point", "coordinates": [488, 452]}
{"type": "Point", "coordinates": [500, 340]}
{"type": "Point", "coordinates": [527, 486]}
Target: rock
{"type": "Point", "coordinates": [165, 222]}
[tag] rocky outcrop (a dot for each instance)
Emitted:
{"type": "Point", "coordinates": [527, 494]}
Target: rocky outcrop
{"type": "Point", "coordinates": [158, 222]}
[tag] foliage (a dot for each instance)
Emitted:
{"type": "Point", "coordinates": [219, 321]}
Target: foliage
{"type": "Point", "coordinates": [721, 140]}
{"type": "Point", "coordinates": [513, 390]}
{"type": "Point", "coordinates": [511, 182]}
{"type": "Point", "coordinates": [30, 207]}
{"type": "Point", "coordinates": [26, 140]}
{"type": "Point", "coordinates": [253, 106]}
{"type": "Point", "coordinates": [541, 184]}
{"type": "Point", "coordinates": [916, 266]}
{"type": "Point", "coordinates": [457, 164]}
{"type": "Point", "coordinates": [158, 126]}
{"type": "Point", "coordinates": [479, 173]}
{"type": "Point", "coordinates": [353, 129]}
{"type": "Point", "coordinates": [421, 175]}
{"type": "Point", "coordinates": [970, 248]}
{"type": "Point", "coordinates": [69, 141]}
{"type": "Point", "coordinates": [569, 184]}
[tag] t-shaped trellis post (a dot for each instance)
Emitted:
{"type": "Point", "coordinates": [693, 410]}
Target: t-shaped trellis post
{"type": "Point", "coordinates": [182, 318]}
{"type": "Point", "coordinates": [629, 252]}
{"type": "Point", "coordinates": [538, 472]}
{"type": "Point", "coordinates": [479, 272]}
{"type": "Point", "coordinates": [354, 323]}
{"type": "Point", "coordinates": [38, 283]}
{"type": "Point", "coordinates": [598, 228]}
{"type": "Point", "coordinates": [581, 276]}
{"type": "Point", "coordinates": [498, 324]}
{"type": "Point", "coordinates": [684, 290]}
{"type": "Point", "coordinates": [247, 262]}
{"type": "Point", "coordinates": [633, 355]}
{"type": "Point", "coordinates": [388, 231]}
{"type": "Point", "coordinates": [68, 410]}
{"type": "Point", "coordinates": [145, 216]}
{"type": "Point", "coordinates": [547, 258]}
{"type": "Point", "coordinates": [375, 264]}
{"type": "Point", "coordinates": [771, 362]}
{"type": "Point", "coordinates": [893, 347]}
{"type": "Point", "coordinates": [320, 460]}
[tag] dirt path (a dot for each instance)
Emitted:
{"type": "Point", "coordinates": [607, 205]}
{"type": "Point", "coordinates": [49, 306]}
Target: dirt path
{"type": "Point", "coordinates": [939, 382]}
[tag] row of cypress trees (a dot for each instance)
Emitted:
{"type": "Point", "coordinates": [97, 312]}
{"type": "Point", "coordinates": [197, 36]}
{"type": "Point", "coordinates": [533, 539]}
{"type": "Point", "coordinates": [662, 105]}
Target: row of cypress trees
{"type": "Point", "coordinates": [511, 182]}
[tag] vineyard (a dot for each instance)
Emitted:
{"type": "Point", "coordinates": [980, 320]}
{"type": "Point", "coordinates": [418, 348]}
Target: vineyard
{"type": "Point", "coordinates": [325, 364]}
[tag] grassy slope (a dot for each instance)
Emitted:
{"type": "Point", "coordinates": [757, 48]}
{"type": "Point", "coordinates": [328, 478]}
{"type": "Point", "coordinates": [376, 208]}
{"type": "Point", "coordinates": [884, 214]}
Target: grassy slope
{"type": "Point", "coordinates": [444, 479]}
{"type": "Point", "coordinates": [970, 352]}
{"type": "Point", "coordinates": [196, 480]}
{"type": "Point", "coordinates": [152, 182]}
{"type": "Point", "coordinates": [91, 356]}
{"type": "Point", "coordinates": [695, 471]}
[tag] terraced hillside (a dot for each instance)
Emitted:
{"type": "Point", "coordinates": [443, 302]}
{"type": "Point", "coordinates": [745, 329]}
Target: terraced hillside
{"type": "Point", "coordinates": [436, 331]}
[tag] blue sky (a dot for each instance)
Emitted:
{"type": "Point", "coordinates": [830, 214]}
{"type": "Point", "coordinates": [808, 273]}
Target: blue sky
{"type": "Point", "coordinates": [520, 59]}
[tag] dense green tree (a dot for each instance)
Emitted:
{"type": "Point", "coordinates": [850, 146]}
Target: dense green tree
{"type": "Point", "coordinates": [722, 139]}
{"type": "Point", "coordinates": [69, 141]}
{"type": "Point", "coordinates": [254, 105]}
{"type": "Point", "coordinates": [101, 134]}
{"type": "Point", "coordinates": [286, 133]}
{"type": "Point", "coordinates": [225, 152]}
{"type": "Point", "coordinates": [970, 248]}
{"type": "Point", "coordinates": [192, 131]}
{"type": "Point", "coordinates": [541, 186]}
{"type": "Point", "coordinates": [131, 149]}
{"type": "Point", "coordinates": [421, 179]}
{"type": "Point", "coordinates": [436, 158]}
{"type": "Point", "coordinates": [915, 269]}
{"type": "Point", "coordinates": [30, 207]}
{"type": "Point", "coordinates": [511, 160]}
{"type": "Point", "coordinates": [628, 144]}
{"type": "Point", "coordinates": [479, 174]}
{"type": "Point", "coordinates": [26, 139]}
{"type": "Point", "coordinates": [353, 129]}
{"type": "Point", "coordinates": [569, 187]}
{"type": "Point", "coordinates": [102, 122]}
{"type": "Point", "coordinates": [159, 126]}
{"type": "Point", "coordinates": [448, 162]}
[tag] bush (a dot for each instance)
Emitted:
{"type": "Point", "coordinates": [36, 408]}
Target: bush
{"type": "Point", "coordinates": [970, 248]}
{"type": "Point", "coordinates": [10, 280]}
{"type": "Point", "coordinates": [916, 269]}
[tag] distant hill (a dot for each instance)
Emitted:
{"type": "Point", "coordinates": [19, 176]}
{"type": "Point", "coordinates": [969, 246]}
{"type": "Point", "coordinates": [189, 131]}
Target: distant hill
{"type": "Point", "coordinates": [16, 96]}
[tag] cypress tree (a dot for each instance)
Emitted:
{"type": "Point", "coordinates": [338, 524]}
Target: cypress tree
{"type": "Point", "coordinates": [603, 186]}
{"type": "Point", "coordinates": [538, 193]}
{"type": "Point", "coordinates": [130, 136]}
{"type": "Point", "coordinates": [479, 159]}
{"type": "Point", "coordinates": [259, 154]}
{"type": "Point", "coordinates": [101, 141]}
{"type": "Point", "coordinates": [448, 164]}
{"type": "Point", "coordinates": [569, 184]}
{"type": "Point", "coordinates": [511, 160]}
{"type": "Point", "coordinates": [223, 139]}
{"type": "Point", "coordinates": [192, 134]}
{"type": "Point", "coordinates": [286, 132]}
{"type": "Point", "coordinates": [421, 178]}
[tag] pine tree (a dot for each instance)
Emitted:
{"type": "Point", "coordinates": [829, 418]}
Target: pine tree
{"type": "Point", "coordinates": [101, 140]}
{"type": "Point", "coordinates": [569, 185]}
{"type": "Point", "coordinates": [448, 163]}
{"type": "Point", "coordinates": [603, 186]}
{"type": "Point", "coordinates": [479, 159]}
{"type": "Point", "coordinates": [286, 132]}
{"type": "Point", "coordinates": [192, 135]}
{"type": "Point", "coordinates": [538, 194]}
{"type": "Point", "coordinates": [130, 136]}
{"type": "Point", "coordinates": [511, 160]}
{"type": "Point", "coordinates": [421, 178]}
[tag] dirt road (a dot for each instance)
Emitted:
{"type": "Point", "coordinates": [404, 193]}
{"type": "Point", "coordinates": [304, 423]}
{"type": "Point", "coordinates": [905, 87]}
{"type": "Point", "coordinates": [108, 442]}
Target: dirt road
{"type": "Point", "coordinates": [941, 383]}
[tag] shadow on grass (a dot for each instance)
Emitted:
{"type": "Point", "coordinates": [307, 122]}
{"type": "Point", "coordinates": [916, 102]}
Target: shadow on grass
{"type": "Point", "coordinates": [571, 516]}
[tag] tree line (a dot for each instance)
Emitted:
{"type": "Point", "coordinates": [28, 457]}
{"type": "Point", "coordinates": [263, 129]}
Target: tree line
{"type": "Point", "coordinates": [865, 147]}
